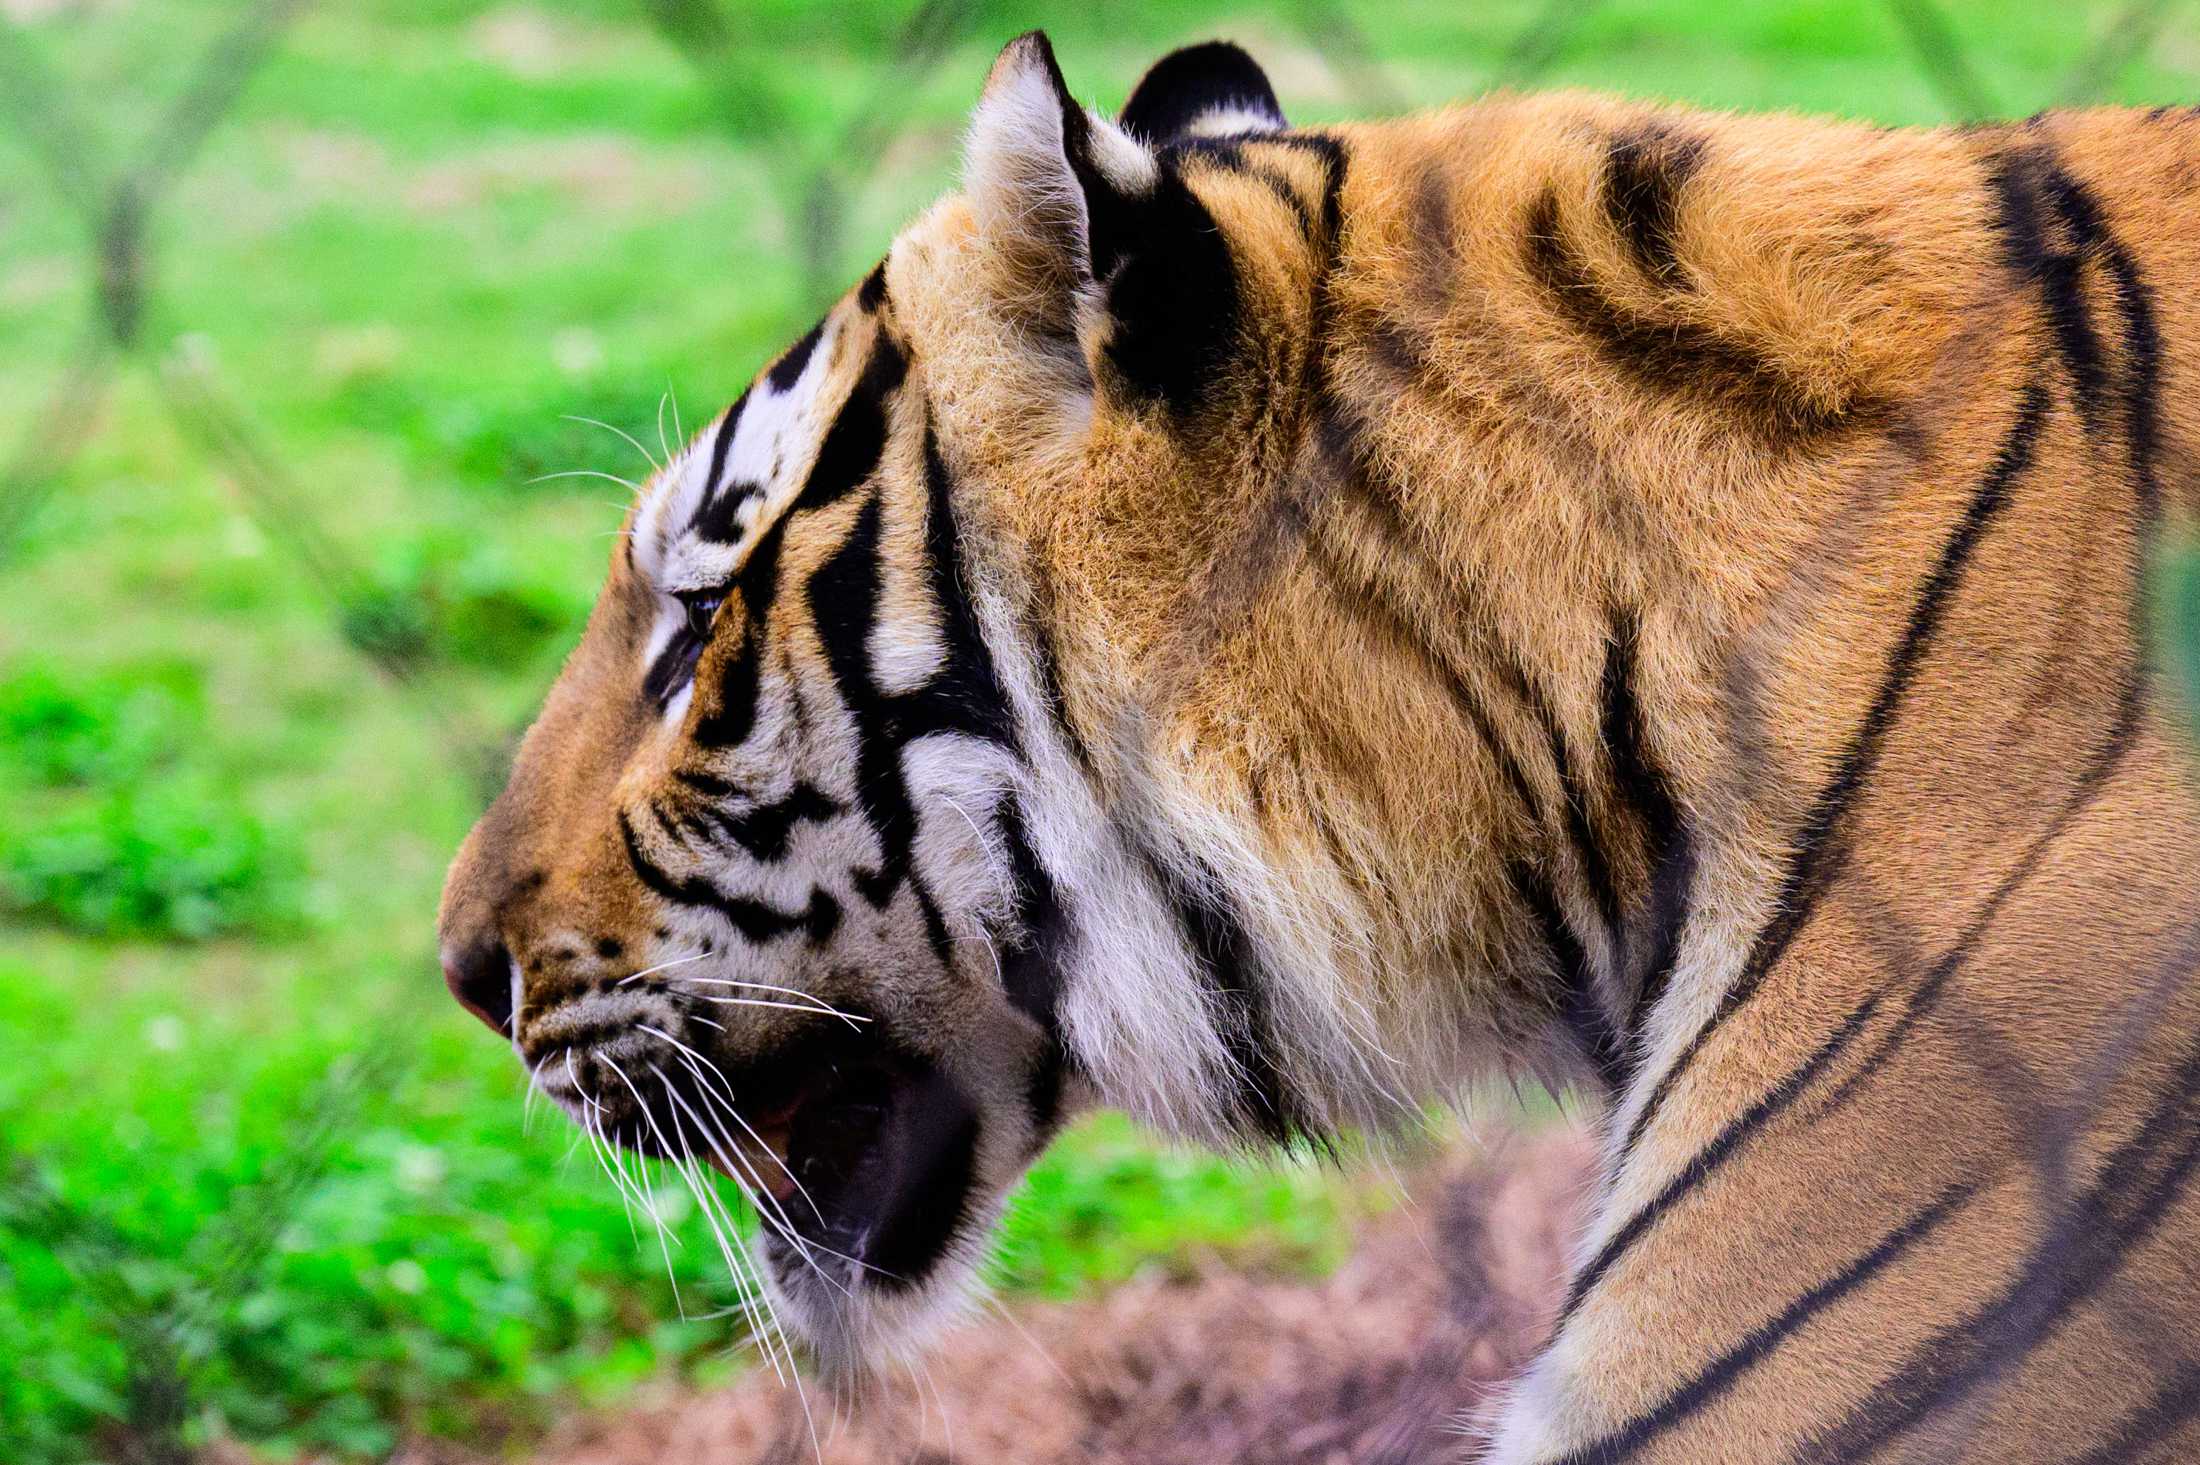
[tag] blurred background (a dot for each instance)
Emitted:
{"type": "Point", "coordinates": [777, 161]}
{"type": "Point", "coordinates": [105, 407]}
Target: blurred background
{"type": "Point", "coordinates": [302, 309]}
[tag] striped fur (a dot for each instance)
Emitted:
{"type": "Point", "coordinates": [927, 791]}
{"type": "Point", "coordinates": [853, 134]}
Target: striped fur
{"type": "Point", "coordinates": [1260, 627]}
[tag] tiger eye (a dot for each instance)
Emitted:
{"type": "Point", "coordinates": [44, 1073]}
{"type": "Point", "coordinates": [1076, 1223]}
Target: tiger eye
{"type": "Point", "coordinates": [701, 610]}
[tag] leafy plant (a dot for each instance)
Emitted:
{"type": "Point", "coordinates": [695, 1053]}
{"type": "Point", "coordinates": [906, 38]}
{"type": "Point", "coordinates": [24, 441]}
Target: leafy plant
{"type": "Point", "coordinates": [107, 828]}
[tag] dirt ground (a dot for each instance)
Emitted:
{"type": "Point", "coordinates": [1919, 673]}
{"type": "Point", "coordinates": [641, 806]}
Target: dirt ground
{"type": "Point", "coordinates": [1383, 1363]}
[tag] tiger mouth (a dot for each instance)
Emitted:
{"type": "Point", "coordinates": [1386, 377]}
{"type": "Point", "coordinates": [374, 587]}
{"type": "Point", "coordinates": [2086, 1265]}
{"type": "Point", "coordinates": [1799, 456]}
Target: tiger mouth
{"type": "Point", "coordinates": [870, 1172]}
{"type": "Point", "coordinates": [859, 1158]}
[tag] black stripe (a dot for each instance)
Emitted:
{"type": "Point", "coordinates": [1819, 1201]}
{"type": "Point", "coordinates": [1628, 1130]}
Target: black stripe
{"type": "Point", "coordinates": [852, 447]}
{"type": "Point", "coordinates": [1228, 155]}
{"type": "Point", "coordinates": [729, 720]}
{"type": "Point", "coordinates": [1334, 160]}
{"type": "Point", "coordinates": [1822, 842]}
{"type": "Point", "coordinates": [1583, 1016]}
{"type": "Point", "coordinates": [1046, 659]}
{"type": "Point", "coordinates": [1644, 173]}
{"type": "Point", "coordinates": [965, 694]}
{"type": "Point", "coordinates": [718, 518]}
{"type": "Point", "coordinates": [763, 831]}
{"type": "Point", "coordinates": [1234, 155]}
{"type": "Point", "coordinates": [1921, 1002]}
{"type": "Point", "coordinates": [871, 294]}
{"type": "Point", "coordinates": [674, 665]}
{"type": "Point", "coordinates": [1034, 960]}
{"type": "Point", "coordinates": [844, 595]}
{"type": "Point", "coordinates": [2142, 337]}
{"type": "Point", "coordinates": [2090, 1240]}
{"type": "Point", "coordinates": [1707, 1160]}
{"type": "Point", "coordinates": [1340, 438]}
{"type": "Point", "coordinates": [1357, 594]}
{"type": "Point", "coordinates": [2017, 181]}
{"type": "Point", "coordinates": [1724, 1371]}
{"type": "Point", "coordinates": [1223, 957]}
{"type": "Point", "coordinates": [731, 717]}
{"type": "Point", "coordinates": [788, 368]}
{"type": "Point", "coordinates": [1674, 357]}
{"type": "Point", "coordinates": [1579, 1011]}
{"type": "Point", "coordinates": [720, 442]}
{"type": "Point", "coordinates": [1672, 885]}
{"type": "Point", "coordinates": [2057, 274]}
{"type": "Point", "coordinates": [1284, 189]}
{"type": "Point", "coordinates": [2091, 1237]}
{"type": "Point", "coordinates": [2171, 1408]}
{"type": "Point", "coordinates": [1223, 951]}
{"type": "Point", "coordinates": [1668, 847]}
{"type": "Point", "coordinates": [935, 925]}
{"type": "Point", "coordinates": [847, 458]}
{"type": "Point", "coordinates": [1589, 856]}
{"type": "Point", "coordinates": [756, 921]}
{"type": "Point", "coordinates": [709, 785]}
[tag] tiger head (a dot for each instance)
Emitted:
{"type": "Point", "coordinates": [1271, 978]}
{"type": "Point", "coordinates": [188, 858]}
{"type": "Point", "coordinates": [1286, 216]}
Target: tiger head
{"type": "Point", "coordinates": [816, 866]}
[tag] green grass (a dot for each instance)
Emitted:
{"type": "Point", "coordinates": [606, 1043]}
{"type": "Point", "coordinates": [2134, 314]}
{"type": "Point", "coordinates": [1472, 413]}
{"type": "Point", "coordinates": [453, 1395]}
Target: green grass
{"type": "Point", "coordinates": [258, 1176]}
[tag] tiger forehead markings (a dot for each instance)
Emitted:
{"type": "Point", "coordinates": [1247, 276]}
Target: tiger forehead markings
{"type": "Point", "coordinates": [1259, 627]}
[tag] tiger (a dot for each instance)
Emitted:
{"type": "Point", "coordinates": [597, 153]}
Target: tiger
{"type": "Point", "coordinates": [1266, 628]}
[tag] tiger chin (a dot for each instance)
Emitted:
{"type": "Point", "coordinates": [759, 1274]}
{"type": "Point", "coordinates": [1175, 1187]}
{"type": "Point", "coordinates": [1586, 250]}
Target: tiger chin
{"type": "Point", "coordinates": [1258, 627]}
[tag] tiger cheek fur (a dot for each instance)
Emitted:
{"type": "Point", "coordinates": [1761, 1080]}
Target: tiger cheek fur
{"type": "Point", "coordinates": [1258, 627]}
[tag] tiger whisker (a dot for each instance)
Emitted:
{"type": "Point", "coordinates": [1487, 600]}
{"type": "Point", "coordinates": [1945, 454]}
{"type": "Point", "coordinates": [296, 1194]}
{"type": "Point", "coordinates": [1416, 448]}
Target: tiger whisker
{"type": "Point", "coordinates": [947, 1421]}
{"type": "Point", "coordinates": [731, 1153]}
{"type": "Point", "coordinates": [528, 1096]}
{"type": "Point", "coordinates": [663, 1233]}
{"type": "Point", "coordinates": [704, 1070]}
{"type": "Point", "coordinates": [817, 1011]}
{"type": "Point", "coordinates": [599, 1145]}
{"type": "Point", "coordinates": [663, 966]}
{"type": "Point", "coordinates": [768, 987]}
{"type": "Point", "coordinates": [755, 1309]}
{"type": "Point", "coordinates": [706, 1197]}
{"type": "Point", "coordinates": [586, 473]}
{"type": "Point", "coordinates": [701, 1190]}
{"type": "Point", "coordinates": [572, 1143]}
{"type": "Point", "coordinates": [607, 427]}
{"type": "Point", "coordinates": [755, 1196]}
{"type": "Point", "coordinates": [814, 1003]}
{"type": "Point", "coordinates": [752, 1185]}
{"type": "Point", "coordinates": [770, 1338]}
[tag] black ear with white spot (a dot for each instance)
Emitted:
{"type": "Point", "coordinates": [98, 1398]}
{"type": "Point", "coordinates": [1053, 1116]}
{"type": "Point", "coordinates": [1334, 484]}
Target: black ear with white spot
{"type": "Point", "coordinates": [1050, 181]}
{"type": "Point", "coordinates": [1090, 236]}
{"type": "Point", "coordinates": [1209, 90]}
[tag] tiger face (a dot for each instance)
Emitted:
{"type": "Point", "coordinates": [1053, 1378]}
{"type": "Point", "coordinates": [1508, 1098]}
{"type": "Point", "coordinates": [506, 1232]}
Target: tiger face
{"type": "Point", "coordinates": [804, 871]}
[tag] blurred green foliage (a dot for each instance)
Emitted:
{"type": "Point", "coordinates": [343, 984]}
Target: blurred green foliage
{"type": "Point", "coordinates": [258, 1177]}
{"type": "Point", "coordinates": [107, 827]}
{"type": "Point", "coordinates": [2177, 616]}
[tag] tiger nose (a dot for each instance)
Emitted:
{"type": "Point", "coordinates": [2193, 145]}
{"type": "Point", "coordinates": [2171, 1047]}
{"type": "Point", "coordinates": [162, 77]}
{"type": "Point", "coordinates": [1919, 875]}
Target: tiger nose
{"type": "Point", "coordinates": [480, 977]}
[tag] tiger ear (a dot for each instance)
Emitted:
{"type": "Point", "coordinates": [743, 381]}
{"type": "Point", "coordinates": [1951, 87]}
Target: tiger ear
{"type": "Point", "coordinates": [1052, 185]}
{"type": "Point", "coordinates": [1091, 241]}
{"type": "Point", "coordinates": [1210, 90]}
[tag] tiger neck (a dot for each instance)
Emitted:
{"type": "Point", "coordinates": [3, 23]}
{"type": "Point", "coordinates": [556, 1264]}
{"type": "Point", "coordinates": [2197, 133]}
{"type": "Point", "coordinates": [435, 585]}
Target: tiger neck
{"type": "Point", "coordinates": [1442, 713]}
